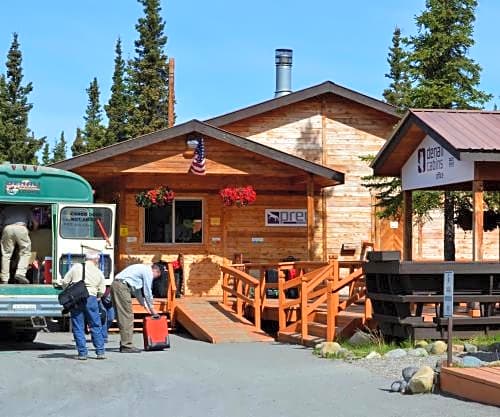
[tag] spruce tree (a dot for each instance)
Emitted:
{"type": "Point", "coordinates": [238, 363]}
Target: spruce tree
{"type": "Point", "coordinates": [59, 151]}
{"type": "Point", "coordinates": [118, 106]}
{"type": "Point", "coordinates": [79, 145]}
{"type": "Point", "coordinates": [94, 133]}
{"type": "Point", "coordinates": [149, 73]}
{"type": "Point", "coordinates": [17, 143]}
{"type": "Point", "coordinates": [46, 160]}
{"type": "Point", "coordinates": [397, 92]}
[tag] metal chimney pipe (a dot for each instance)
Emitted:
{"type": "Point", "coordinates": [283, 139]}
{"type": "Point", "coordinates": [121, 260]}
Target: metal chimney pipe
{"type": "Point", "coordinates": [283, 59]}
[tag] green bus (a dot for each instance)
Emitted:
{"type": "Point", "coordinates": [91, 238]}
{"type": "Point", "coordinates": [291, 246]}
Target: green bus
{"type": "Point", "coordinates": [70, 226]}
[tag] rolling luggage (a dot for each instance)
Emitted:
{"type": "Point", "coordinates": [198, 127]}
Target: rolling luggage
{"type": "Point", "coordinates": [155, 333]}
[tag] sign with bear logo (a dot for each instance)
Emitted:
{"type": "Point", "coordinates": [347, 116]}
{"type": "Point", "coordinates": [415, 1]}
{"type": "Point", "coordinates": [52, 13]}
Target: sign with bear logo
{"type": "Point", "coordinates": [286, 217]}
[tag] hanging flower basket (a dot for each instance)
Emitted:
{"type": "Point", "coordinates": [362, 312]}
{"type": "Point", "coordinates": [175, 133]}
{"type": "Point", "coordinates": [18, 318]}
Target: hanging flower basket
{"type": "Point", "coordinates": [158, 197]}
{"type": "Point", "coordinates": [238, 196]}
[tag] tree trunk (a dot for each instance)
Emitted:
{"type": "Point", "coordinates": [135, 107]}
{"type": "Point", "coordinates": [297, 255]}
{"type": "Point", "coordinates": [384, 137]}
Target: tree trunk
{"type": "Point", "coordinates": [449, 227]}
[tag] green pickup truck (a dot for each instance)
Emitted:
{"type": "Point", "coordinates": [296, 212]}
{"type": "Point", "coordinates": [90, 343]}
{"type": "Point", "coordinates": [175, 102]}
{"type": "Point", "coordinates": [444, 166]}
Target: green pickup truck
{"type": "Point", "coordinates": [70, 225]}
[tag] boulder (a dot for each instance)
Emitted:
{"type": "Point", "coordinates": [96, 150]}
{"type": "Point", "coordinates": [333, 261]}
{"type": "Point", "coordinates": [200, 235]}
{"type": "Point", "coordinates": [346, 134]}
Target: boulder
{"type": "Point", "coordinates": [438, 347]}
{"type": "Point", "coordinates": [471, 362]}
{"type": "Point", "coordinates": [494, 363]}
{"type": "Point", "coordinates": [319, 346]}
{"type": "Point", "coordinates": [418, 352]}
{"type": "Point", "coordinates": [329, 349]}
{"type": "Point", "coordinates": [360, 338]}
{"type": "Point", "coordinates": [422, 381]}
{"type": "Point", "coordinates": [457, 348]}
{"type": "Point", "coordinates": [396, 353]}
{"type": "Point", "coordinates": [421, 344]}
{"type": "Point", "coordinates": [408, 372]}
{"type": "Point", "coordinates": [373, 355]}
{"type": "Point", "coordinates": [396, 386]}
{"type": "Point", "coordinates": [470, 348]}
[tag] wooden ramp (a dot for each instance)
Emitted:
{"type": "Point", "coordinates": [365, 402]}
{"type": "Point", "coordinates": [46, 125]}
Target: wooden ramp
{"type": "Point", "coordinates": [475, 384]}
{"type": "Point", "coordinates": [210, 321]}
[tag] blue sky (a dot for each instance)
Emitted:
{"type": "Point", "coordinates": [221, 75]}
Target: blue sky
{"type": "Point", "coordinates": [224, 50]}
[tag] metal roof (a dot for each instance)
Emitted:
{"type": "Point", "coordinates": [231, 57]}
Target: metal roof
{"type": "Point", "coordinates": [465, 130]}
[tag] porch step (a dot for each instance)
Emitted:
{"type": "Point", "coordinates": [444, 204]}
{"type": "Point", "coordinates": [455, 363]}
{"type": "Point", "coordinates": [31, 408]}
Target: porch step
{"type": "Point", "coordinates": [296, 339]}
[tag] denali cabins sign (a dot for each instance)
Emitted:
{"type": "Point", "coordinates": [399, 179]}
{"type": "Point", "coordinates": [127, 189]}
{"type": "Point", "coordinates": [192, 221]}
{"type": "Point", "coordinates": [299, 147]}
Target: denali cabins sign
{"type": "Point", "coordinates": [432, 165]}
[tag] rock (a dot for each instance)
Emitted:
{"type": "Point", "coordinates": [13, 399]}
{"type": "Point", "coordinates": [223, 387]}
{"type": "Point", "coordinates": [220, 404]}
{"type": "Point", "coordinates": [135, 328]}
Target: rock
{"type": "Point", "coordinates": [471, 362]}
{"type": "Point", "coordinates": [408, 372]}
{"type": "Point", "coordinates": [395, 353]}
{"type": "Point", "coordinates": [422, 381]}
{"type": "Point", "coordinates": [494, 363]}
{"type": "Point", "coordinates": [329, 349]}
{"type": "Point", "coordinates": [418, 352]}
{"type": "Point", "coordinates": [396, 386]}
{"type": "Point", "coordinates": [360, 338]}
{"type": "Point", "coordinates": [457, 348]}
{"type": "Point", "coordinates": [319, 346]}
{"type": "Point", "coordinates": [495, 347]}
{"type": "Point", "coordinates": [373, 355]}
{"type": "Point", "coordinates": [404, 387]}
{"type": "Point", "coordinates": [421, 344]}
{"type": "Point", "coordinates": [470, 348]}
{"type": "Point", "coordinates": [438, 347]}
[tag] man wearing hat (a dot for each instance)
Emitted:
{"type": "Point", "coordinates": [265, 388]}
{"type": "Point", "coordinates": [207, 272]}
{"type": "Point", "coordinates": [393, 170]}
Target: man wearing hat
{"type": "Point", "coordinates": [89, 312]}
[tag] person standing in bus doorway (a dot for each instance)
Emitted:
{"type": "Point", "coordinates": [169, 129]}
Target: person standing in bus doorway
{"type": "Point", "coordinates": [15, 221]}
{"type": "Point", "coordinates": [89, 312]}
{"type": "Point", "coordinates": [137, 280]}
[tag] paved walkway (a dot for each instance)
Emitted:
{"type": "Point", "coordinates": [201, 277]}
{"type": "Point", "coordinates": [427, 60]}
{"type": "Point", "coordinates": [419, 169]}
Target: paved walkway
{"type": "Point", "coordinates": [199, 379]}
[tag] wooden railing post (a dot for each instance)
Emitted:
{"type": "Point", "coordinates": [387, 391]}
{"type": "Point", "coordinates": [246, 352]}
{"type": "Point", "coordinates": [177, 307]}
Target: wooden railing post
{"type": "Point", "coordinates": [368, 309]}
{"type": "Point", "coordinates": [239, 301]}
{"type": "Point", "coordinates": [281, 302]}
{"type": "Point", "coordinates": [303, 309]}
{"type": "Point", "coordinates": [330, 316]}
{"type": "Point", "coordinates": [257, 306]}
{"type": "Point", "coordinates": [333, 311]}
{"type": "Point", "coordinates": [225, 282]}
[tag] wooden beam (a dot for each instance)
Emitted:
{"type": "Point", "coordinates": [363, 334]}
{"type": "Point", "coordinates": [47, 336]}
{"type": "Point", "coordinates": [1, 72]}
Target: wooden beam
{"type": "Point", "coordinates": [324, 160]}
{"type": "Point", "coordinates": [310, 217]}
{"type": "Point", "coordinates": [171, 92]}
{"type": "Point", "coordinates": [477, 220]}
{"type": "Point", "coordinates": [407, 226]}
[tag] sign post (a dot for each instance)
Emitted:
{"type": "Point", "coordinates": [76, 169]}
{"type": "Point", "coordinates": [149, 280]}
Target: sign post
{"type": "Point", "coordinates": [448, 309]}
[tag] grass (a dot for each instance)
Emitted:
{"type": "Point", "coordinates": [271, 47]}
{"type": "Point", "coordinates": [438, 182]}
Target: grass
{"type": "Point", "coordinates": [479, 340]}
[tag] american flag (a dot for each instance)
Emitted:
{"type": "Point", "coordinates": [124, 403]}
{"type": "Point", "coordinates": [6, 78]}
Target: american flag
{"type": "Point", "coordinates": [198, 162]}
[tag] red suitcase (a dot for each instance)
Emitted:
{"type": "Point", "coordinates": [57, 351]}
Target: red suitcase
{"type": "Point", "coordinates": [155, 333]}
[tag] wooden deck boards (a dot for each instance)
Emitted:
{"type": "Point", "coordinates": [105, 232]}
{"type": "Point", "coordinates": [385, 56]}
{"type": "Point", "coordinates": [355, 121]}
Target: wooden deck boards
{"type": "Point", "coordinates": [475, 384]}
{"type": "Point", "coordinates": [210, 321]}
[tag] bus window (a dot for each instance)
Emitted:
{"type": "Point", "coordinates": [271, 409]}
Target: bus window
{"type": "Point", "coordinates": [86, 223]}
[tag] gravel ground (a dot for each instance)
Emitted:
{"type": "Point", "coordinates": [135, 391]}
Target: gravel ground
{"type": "Point", "coordinates": [391, 368]}
{"type": "Point", "coordinates": [196, 379]}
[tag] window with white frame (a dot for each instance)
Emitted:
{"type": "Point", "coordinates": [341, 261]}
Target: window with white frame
{"type": "Point", "coordinates": [180, 222]}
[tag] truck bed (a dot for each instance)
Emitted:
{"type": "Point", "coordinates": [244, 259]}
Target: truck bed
{"type": "Point", "coordinates": [29, 300]}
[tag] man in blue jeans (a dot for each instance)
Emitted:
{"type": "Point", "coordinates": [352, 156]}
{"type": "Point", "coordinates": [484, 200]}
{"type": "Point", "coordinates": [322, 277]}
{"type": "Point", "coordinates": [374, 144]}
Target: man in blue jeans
{"type": "Point", "coordinates": [89, 312]}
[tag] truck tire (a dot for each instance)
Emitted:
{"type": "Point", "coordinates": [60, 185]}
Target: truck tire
{"type": "Point", "coordinates": [26, 336]}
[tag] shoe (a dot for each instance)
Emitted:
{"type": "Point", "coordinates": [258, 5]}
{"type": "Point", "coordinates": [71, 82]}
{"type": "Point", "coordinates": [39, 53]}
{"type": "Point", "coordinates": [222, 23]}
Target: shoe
{"type": "Point", "coordinates": [124, 349]}
{"type": "Point", "coordinates": [21, 280]}
{"type": "Point", "coordinates": [100, 356]}
{"type": "Point", "coordinates": [82, 357]}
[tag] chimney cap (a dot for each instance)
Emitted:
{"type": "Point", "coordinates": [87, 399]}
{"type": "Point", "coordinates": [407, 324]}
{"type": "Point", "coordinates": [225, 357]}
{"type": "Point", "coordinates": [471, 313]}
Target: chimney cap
{"type": "Point", "coordinates": [283, 56]}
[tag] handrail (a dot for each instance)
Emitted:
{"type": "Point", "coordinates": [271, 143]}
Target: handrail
{"type": "Point", "coordinates": [241, 283]}
{"type": "Point", "coordinates": [171, 292]}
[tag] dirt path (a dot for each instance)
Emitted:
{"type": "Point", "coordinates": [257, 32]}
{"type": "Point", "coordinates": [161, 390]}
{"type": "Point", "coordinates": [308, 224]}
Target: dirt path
{"type": "Point", "coordinates": [199, 379]}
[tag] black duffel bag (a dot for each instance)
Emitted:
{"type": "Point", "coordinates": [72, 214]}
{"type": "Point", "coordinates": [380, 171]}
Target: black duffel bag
{"type": "Point", "coordinates": [74, 295]}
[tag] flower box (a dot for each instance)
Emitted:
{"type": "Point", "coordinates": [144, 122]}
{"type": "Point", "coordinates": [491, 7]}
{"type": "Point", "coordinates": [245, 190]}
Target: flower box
{"type": "Point", "coordinates": [238, 196]}
{"type": "Point", "coordinates": [157, 197]}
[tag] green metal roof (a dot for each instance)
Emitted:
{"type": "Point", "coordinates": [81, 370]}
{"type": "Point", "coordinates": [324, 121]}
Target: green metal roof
{"type": "Point", "coordinates": [34, 184]}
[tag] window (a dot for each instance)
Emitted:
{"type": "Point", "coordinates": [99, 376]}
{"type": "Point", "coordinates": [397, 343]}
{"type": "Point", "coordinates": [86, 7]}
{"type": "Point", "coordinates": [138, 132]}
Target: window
{"type": "Point", "coordinates": [179, 223]}
{"type": "Point", "coordinates": [85, 222]}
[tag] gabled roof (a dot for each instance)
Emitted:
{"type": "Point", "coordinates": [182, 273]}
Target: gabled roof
{"type": "Point", "coordinates": [195, 126]}
{"type": "Point", "coordinates": [455, 130]}
{"type": "Point", "coordinates": [300, 95]}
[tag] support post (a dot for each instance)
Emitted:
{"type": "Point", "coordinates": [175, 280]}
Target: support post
{"type": "Point", "coordinates": [303, 310]}
{"type": "Point", "coordinates": [477, 222]}
{"type": "Point", "coordinates": [257, 306]}
{"type": "Point", "coordinates": [281, 302]}
{"type": "Point", "coordinates": [407, 226]}
{"type": "Point", "coordinates": [225, 283]}
{"type": "Point", "coordinates": [310, 217]}
{"type": "Point", "coordinates": [171, 92]}
{"type": "Point", "coordinates": [239, 301]}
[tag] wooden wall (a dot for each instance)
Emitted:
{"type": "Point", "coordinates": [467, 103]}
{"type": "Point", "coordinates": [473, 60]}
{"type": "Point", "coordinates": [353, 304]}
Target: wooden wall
{"type": "Point", "coordinates": [335, 132]}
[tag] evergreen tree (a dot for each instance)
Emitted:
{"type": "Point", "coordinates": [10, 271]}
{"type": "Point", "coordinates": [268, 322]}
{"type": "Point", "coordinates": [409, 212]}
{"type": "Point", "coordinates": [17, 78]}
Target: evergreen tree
{"type": "Point", "coordinates": [149, 73]}
{"type": "Point", "coordinates": [17, 143]}
{"type": "Point", "coordinates": [118, 107]}
{"type": "Point", "coordinates": [46, 160]}
{"type": "Point", "coordinates": [59, 151]}
{"type": "Point", "coordinates": [94, 133]}
{"type": "Point", "coordinates": [79, 145]}
{"type": "Point", "coordinates": [397, 92]}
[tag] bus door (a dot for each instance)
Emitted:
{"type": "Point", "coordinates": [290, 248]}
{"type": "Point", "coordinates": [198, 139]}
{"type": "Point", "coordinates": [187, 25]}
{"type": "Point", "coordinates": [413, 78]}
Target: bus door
{"type": "Point", "coordinates": [81, 229]}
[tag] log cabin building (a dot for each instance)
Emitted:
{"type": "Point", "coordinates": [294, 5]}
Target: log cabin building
{"type": "Point", "coordinates": [301, 152]}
